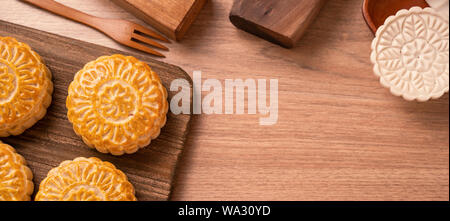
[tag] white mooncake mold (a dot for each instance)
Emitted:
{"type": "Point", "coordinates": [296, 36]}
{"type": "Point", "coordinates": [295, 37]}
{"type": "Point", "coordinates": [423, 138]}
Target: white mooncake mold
{"type": "Point", "coordinates": [440, 6]}
{"type": "Point", "coordinates": [410, 54]}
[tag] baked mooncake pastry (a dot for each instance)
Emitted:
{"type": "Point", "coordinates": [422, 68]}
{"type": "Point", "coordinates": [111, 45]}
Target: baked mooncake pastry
{"type": "Point", "coordinates": [25, 87]}
{"type": "Point", "coordinates": [410, 54]}
{"type": "Point", "coordinates": [85, 179]}
{"type": "Point", "coordinates": [15, 177]}
{"type": "Point", "coordinates": [117, 104]}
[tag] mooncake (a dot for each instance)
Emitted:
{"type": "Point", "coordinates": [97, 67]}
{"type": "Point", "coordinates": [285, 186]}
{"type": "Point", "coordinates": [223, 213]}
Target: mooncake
{"type": "Point", "coordinates": [411, 54]}
{"type": "Point", "coordinates": [15, 177]}
{"type": "Point", "coordinates": [85, 179]}
{"type": "Point", "coordinates": [25, 87]}
{"type": "Point", "coordinates": [117, 104]}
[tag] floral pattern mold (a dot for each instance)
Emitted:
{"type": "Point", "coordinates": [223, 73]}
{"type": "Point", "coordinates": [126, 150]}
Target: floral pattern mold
{"type": "Point", "coordinates": [25, 87]}
{"type": "Point", "coordinates": [411, 54]}
{"type": "Point", "coordinates": [117, 104]}
{"type": "Point", "coordinates": [86, 179]}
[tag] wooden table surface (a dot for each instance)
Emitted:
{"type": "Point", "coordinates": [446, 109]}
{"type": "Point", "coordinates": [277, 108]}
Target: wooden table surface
{"type": "Point", "coordinates": [339, 136]}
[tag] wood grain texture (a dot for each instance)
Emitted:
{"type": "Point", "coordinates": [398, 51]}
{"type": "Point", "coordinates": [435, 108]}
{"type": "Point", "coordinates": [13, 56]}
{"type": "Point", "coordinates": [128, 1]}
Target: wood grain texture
{"type": "Point", "coordinates": [171, 17]}
{"type": "Point", "coordinates": [52, 140]}
{"type": "Point", "coordinates": [281, 22]}
{"type": "Point", "coordinates": [339, 136]}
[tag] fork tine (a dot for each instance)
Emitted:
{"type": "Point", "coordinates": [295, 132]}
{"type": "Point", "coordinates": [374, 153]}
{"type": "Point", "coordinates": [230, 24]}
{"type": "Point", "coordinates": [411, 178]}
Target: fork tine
{"type": "Point", "coordinates": [148, 41]}
{"type": "Point", "coordinates": [151, 33]}
{"type": "Point", "coordinates": [144, 48]}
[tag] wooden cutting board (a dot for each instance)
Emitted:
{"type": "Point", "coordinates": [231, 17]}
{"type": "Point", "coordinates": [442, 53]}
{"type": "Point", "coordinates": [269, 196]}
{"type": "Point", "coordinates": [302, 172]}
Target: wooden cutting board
{"type": "Point", "coordinates": [52, 140]}
{"type": "Point", "coordinates": [171, 17]}
{"type": "Point", "coordinates": [281, 22]}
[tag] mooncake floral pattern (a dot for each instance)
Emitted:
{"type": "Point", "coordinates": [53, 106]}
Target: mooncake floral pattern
{"type": "Point", "coordinates": [15, 177]}
{"type": "Point", "coordinates": [7, 83]}
{"type": "Point", "coordinates": [86, 179]}
{"type": "Point", "coordinates": [117, 104]}
{"type": "Point", "coordinates": [411, 54]}
{"type": "Point", "coordinates": [25, 87]}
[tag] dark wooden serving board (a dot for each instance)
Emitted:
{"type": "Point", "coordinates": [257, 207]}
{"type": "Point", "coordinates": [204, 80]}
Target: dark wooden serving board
{"type": "Point", "coordinates": [52, 140]}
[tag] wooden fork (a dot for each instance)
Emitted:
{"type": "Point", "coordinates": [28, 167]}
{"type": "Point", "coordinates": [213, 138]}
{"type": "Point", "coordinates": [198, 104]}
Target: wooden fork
{"type": "Point", "coordinates": [122, 31]}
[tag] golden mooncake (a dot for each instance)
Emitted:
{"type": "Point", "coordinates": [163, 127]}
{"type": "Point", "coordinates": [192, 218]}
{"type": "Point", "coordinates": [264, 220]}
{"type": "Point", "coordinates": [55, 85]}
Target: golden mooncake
{"type": "Point", "coordinates": [15, 177]}
{"type": "Point", "coordinates": [85, 179]}
{"type": "Point", "coordinates": [117, 104]}
{"type": "Point", "coordinates": [25, 87]}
